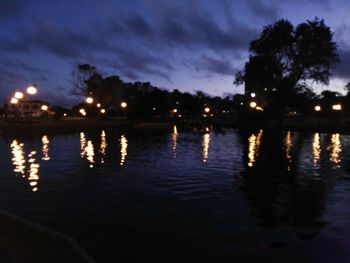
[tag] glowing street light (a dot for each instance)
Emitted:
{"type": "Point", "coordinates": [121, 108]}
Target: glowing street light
{"type": "Point", "coordinates": [336, 107]}
{"type": "Point", "coordinates": [252, 95]}
{"type": "Point", "coordinates": [175, 110]}
{"type": "Point", "coordinates": [98, 105]}
{"type": "Point", "coordinates": [207, 109]}
{"type": "Point", "coordinates": [318, 108]}
{"type": "Point", "coordinates": [252, 104]}
{"type": "Point", "coordinates": [123, 104]}
{"type": "Point", "coordinates": [14, 100]}
{"type": "Point", "coordinates": [31, 90]}
{"type": "Point", "coordinates": [44, 107]}
{"type": "Point", "coordinates": [89, 100]}
{"type": "Point", "coordinates": [82, 112]}
{"type": "Point", "coordinates": [103, 111]}
{"type": "Point", "coordinates": [19, 95]}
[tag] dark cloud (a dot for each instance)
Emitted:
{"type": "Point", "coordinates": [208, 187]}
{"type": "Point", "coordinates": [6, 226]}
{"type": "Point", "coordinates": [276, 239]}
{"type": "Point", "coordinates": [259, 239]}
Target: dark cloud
{"type": "Point", "coordinates": [11, 8]}
{"type": "Point", "coordinates": [138, 26]}
{"type": "Point", "coordinates": [264, 10]}
{"type": "Point", "coordinates": [222, 66]}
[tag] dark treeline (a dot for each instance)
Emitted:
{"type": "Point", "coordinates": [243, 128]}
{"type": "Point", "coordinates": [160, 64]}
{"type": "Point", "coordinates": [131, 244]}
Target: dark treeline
{"type": "Point", "coordinates": [144, 101]}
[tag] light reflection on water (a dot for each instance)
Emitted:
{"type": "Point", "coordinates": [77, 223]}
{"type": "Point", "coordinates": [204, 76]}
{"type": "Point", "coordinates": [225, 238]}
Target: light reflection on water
{"type": "Point", "coordinates": [103, 146]}
{"type": "Point", "coordinates": [174, 140]}
{"type": "Point", "coordinates": [123, 149]}
{"type": "Point", "coordinates": [45, 149]}
{"type": "Point", "coordinates": [335, 148]}
{"type": "Point", "coordinates": [18, 158]}
{"type": "Point", "coordinates": [33, 177]}
{"type": "Point", "coordinates": [205, 144]}
{"type": "Point", "coordinates": [288, 149]}
{"type": "Point", "coordinates": [316, 148]}
{"type": "Point", "coordinates": [253, 147]}
{"type": "Point", "coordinates": [245, 171]}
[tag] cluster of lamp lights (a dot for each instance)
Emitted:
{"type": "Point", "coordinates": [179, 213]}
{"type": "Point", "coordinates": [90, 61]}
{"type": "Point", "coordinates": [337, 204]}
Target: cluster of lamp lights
{"type": "Point", "coordinates": [335, 107]}
{"type": "Point", "coordinates": [206, 111]}
{"type": "Point", "coordinates": [90, 100]}
{"type": "Point", "coordinates": [254, 105]}
{"type": "Point", "coordinates": [31, 90]}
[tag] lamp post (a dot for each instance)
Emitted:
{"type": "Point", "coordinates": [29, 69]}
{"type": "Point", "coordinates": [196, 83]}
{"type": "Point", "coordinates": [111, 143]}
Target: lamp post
{"type": "Point", "coordinates": [318, 110]}
{"type": "Point", "coordinates": [31, 90]}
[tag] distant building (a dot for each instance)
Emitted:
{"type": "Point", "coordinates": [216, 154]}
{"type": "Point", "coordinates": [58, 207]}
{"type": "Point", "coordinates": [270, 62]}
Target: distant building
{"type": "Point", "coordinates": [28, 109]}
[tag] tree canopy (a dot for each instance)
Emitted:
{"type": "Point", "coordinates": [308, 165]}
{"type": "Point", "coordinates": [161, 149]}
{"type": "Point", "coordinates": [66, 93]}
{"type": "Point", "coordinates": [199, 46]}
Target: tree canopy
{"type": "Point", "coordinates": [284, 58]}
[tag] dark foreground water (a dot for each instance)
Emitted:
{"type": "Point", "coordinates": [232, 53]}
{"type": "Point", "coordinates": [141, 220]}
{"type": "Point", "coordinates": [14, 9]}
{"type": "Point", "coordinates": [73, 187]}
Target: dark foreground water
{"type": "Point", "coordinates": [222, 195]}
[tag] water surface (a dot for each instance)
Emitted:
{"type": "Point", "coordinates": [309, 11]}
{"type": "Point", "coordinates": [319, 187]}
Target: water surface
{"type": "Point", "coordinates": [223, 195]}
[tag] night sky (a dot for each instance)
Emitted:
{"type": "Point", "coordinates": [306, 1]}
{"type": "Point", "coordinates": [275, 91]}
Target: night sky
{"type": "Point", "coordinates": [186, 45]}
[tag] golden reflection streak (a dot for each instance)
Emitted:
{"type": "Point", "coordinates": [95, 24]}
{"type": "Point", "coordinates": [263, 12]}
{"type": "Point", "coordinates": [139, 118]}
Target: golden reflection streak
{"type": "Point", "coordinates": [33, 172]}
{"type": "Point", "coordinates": [103, 146]}
{"type": "Point", "coordinates": [316, 148]}
{"type": "Point", "coordinates": [18, 159]}
{"type": "Point", "coordinates": [123, 149]}
{"type": "Point", "coordinates": [253, 147]}
{"type": "Point", "coordinates": [174, 140]}
{"type": "Point", "coordinates": [90, 153]}
{"type": "Point", "coordinates": [82, 144]}
{"type": "Point", "coordinates": [45, 149]}
{"type": "Point", "coordinates": [205, 144]}
{"type": "Point", "coordinates": [335, 148]}
{"type": "Point", "coordinates": [288, 147]}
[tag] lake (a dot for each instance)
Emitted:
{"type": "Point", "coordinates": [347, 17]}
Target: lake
{"type": "Point", "coordinates": [223, 195]}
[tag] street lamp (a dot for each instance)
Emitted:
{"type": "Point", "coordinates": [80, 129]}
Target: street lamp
{"type": "Point", "coordinates": [175, 110]}
{"type": "Point", "coordinates": [98, 105]}
{"type": "Point", "coordinates": [31, 90]}
{"type": "Point", "coordinates": [19, 95]}
{"type": "Point", "coordinates": [252, 104]}
{"type": "Point", "coordinates": [14, 100]}
{"type": "Point", "coordinates": [82, 112]}
{"type": "Point", "coordinates": [207, 109]}
{"type": "Point", "coordinates": [336, 107]}
{"type": "Point", "coordinates": [89, 100]}
{"type": "Point", "coordinates": [123, 104]}
{"type": "Point", "coordinates": [44, 107]}
{"type": "Point", "coordinates": [252, 95]}
{"type": "Point", "coordinates": [103, 111]}
{"type": "Point", "coordinates": [318, 108]}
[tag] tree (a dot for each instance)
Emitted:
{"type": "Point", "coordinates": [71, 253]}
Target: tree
{"type": "Point", "coordinates": [80, 76]}
{"type": "Point", "coordinates": [284, 58]}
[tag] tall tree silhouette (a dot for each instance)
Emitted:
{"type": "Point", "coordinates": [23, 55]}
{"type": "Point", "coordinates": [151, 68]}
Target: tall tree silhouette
{"type": "Point", "coordinates": [284, 58]}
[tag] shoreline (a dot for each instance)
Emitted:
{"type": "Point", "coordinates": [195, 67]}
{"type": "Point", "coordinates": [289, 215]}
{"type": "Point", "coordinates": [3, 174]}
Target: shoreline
{"type": "Point", "coordinates": [76, 125]}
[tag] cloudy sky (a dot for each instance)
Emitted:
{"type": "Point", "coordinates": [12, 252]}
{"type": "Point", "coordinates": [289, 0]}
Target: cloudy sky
{"type": "Point", "coordinates": [185, 44]}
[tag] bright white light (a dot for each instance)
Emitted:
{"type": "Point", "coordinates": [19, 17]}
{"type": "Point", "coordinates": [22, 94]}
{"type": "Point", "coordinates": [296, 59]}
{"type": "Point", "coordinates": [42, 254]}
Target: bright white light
{"type": "Point", "coordinates": [89, 100]}
{"type": "Point", "coordinates": [252, 104]}
{"type": "Point", "coordinates": [174, 110]}
{"type": "Point", "coordinates": [14, 101]}
{"type": "Point", "coordinates": [318, 108]}
{"type": "Point", "coordinates": [19, 95]}
{"type": "Point", "coordinates": [123, 104]}
{"type": "Point", "coordinates": [32, 90]}
{"type": "Point", "coordinates": [206, 109]}
{"type": "Point", "coordinates": [252, 95]}
{"type": "Point", "coordinates": [44, 107]}
{"type": "Point", "coordinates": [336, 107]}
{"type": "Point", "coordinates": [98, 105]}
{"type": "Point", "coordinates": [103, 111]}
